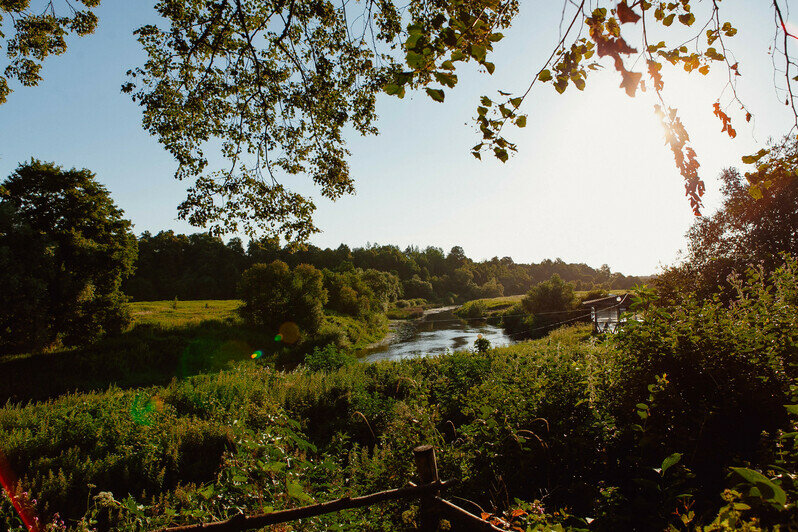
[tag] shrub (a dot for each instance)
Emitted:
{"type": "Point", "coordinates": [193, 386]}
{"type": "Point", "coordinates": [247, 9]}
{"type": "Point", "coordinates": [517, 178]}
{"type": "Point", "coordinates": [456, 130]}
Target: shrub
{"type": "Point", "coordinates": [473, 309]}
{"type": "Point", "coordinates": [328, 358]}
{"type": "Point", "coordinates": [481, 345]}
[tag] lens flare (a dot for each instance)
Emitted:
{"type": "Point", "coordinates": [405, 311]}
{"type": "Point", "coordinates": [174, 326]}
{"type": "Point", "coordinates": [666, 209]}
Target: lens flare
{"type": "Point", "coordinates": [142, 408]}
{"type": "Point", "coordinates": [256, 355]}
{"type": "Point", "coordinates": [21, 504]}
{"type": "Point", "coordinates": [289, 332]}
{"type": "Point", "coordinates": [278, 338]}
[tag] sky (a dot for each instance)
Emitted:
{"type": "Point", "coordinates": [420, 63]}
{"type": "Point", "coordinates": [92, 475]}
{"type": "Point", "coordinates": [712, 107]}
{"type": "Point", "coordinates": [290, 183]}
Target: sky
{"type": "Point", "coordinates": [593, 181]}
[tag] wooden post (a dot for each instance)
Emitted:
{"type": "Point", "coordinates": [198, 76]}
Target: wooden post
{"type": "Point", "coordinates": [427, 469]}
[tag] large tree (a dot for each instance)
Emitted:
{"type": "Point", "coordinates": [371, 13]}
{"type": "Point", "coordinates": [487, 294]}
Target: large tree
{"type": "Point", "coordinates": [276, 83]}
{"type": "Point", "coordinates": [748, 230]}
{"type": "Point", "coordinates": [275, 295]}
{"type": "Point", "coordinates": [65, 248]}
{"type": "Point", "coordinates": [279, 81]}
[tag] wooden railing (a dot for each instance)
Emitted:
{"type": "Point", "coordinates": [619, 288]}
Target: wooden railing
{"type": "Point", "coordinates": [432, 509]}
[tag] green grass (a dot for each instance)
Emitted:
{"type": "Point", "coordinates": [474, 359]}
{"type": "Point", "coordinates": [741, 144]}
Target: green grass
{"type": "Point", "coordinates": [585, 423]}
{"type": "Point", "coordinates": [359, 333]}
{"type": "Point", "coordinates": [491, 306]}
{"type": "Point", "coordinates": [182, 313]}
{"type": "Point", "coordinates": [164, 343]}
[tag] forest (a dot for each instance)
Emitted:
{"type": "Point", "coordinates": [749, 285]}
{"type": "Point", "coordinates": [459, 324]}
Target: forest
{"type": "Point", "coordinates": [199, 266]}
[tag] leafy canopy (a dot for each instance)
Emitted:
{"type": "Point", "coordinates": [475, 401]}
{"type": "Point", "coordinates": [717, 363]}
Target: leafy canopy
{"type": "Point", "coordinates": [64, 250]}
{"type": "Point", "coordinates": [38, 31]}
{"type": "Point", "coordinates": [274, 84]}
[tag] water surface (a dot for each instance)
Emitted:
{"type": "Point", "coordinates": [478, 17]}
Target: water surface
{"type": "Point", "coordinates": [436, 333]}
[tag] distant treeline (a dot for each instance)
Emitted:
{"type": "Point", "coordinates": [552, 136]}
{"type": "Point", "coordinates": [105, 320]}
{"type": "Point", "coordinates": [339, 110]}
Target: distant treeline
{"type": "Point", "coordinates": [201, 266]}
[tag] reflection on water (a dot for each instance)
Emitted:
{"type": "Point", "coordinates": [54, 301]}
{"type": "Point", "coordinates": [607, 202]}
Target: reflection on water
{"type": "Point", "coordinates": [437, 332]}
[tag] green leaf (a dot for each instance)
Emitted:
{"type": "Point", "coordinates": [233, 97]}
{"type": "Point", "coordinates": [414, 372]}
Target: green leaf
{"type": "Point", "coordinates": [545, 76]}
{"type": "Point", "coordinates": [516, 102]}
{"type": "Point", "coordinates": [490, 67]}
{"type": "Point", "coordinates": [436, 94]}
{"type": "Point", "coordinates": [444, 78]}
{"type": "Point", "coordinates": [294, 489]}
{"type": "Point", "coordinates": [792, 409]}
{"type": "Point", "coordinates": [769, 490]}
{"type": "Point", "coordinates": [751, 159]}
{"type": "Point", "coordinates": [478, 52]}
{"type": "Point", "coordinates": [667, 21]}
{"type": "Point", "coordinates": [755, 192]}
{"type": "Point", "coordinates": [521, 121]}
{"type": "Point", "coordinates": [393, 89]}
{"type": "Point", "coordinates": [670, 461]}
{"type": "Point", "coordinates": [414, 60]}
{"type": "Point", "coordinates": [501, 154]}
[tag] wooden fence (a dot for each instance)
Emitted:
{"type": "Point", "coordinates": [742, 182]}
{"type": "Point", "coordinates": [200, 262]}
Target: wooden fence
{"type": "Point", "coordinates": [432, 506]}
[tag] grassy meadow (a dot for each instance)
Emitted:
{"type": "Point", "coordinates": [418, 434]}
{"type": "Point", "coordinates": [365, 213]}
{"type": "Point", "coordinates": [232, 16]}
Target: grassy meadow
{"type": "Point", "coordinates": [166, 340]}
{"type": "Point", "coordinates": [182, 313]}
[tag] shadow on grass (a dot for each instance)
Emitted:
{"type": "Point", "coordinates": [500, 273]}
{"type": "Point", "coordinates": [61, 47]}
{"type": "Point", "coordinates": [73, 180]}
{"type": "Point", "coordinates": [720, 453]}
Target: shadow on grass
{"type": "Point", "coordinates": [146, 355]}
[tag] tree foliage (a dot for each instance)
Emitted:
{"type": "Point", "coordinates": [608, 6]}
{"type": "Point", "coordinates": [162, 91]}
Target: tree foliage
{"type": "Point", "coordinates": [200, 266]}
{"type": "Point", "coordinates": [37, 31]}
{"type": "Point", "coordinates": [277, 82]}
{"type": "Point", "coordinates": [64, 250]}
{"type": "Point", "coordinates": [274, 294]}
{"type": "Point", "coordinates": [748, 229]}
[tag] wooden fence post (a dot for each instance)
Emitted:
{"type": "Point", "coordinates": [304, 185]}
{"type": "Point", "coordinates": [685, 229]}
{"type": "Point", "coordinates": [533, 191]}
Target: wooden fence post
{"type": "Point", "coordinates": [427, 469]}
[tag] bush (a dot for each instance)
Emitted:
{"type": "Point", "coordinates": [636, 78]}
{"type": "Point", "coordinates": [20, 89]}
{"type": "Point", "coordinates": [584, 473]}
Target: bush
{"type": "Point", "coordinates": [481, 345]}
{"type": "Point", "coordinates": [473, 309]}
{"type": "Point", "coordinates": [328, 358]}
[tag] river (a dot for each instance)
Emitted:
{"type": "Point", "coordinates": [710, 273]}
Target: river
{"type": "Point", "coordinates": [437, 332]}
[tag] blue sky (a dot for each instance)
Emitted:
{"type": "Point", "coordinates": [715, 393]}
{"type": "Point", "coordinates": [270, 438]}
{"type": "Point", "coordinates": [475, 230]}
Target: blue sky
{"type": "Point", "coordinates": [593, 181]}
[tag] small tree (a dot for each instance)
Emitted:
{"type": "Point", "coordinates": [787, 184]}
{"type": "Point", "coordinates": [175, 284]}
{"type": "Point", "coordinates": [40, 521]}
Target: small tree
{"type": "Point", "coordinates": [550, 296]}
{"type": "Point", "coordinates": [548, 303]}
{"type": "Point", "coordinates": [274, 294]}
{"type": "Point", "coordinates": [64, 250]}
{"type": "Point", "coordinates": [481, 345]}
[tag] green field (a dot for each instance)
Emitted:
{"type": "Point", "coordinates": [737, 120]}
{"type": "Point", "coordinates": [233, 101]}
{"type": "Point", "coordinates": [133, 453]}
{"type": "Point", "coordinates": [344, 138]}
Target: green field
{"type": "Point", "coordinates": [163, 343]}
{"type": "Point", "coordinates": [182, 313]}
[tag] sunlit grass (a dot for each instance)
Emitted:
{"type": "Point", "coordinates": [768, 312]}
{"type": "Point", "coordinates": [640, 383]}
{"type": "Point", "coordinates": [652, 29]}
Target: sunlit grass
{"type": "Point", "coordinates": [182, 313]}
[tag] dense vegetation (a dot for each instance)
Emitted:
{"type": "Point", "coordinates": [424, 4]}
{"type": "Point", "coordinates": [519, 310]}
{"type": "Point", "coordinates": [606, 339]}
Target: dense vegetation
{"type": "Point", "coordinates": [64, 250]}
{"type": "Point", "coordinates": [685, 420]}
{"type": "Point", "coordinates": [749, 228]}
{"type": "Point", "coordinates": [638, 431]}
{"type": "Point", "coordinates": [203, 267]}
